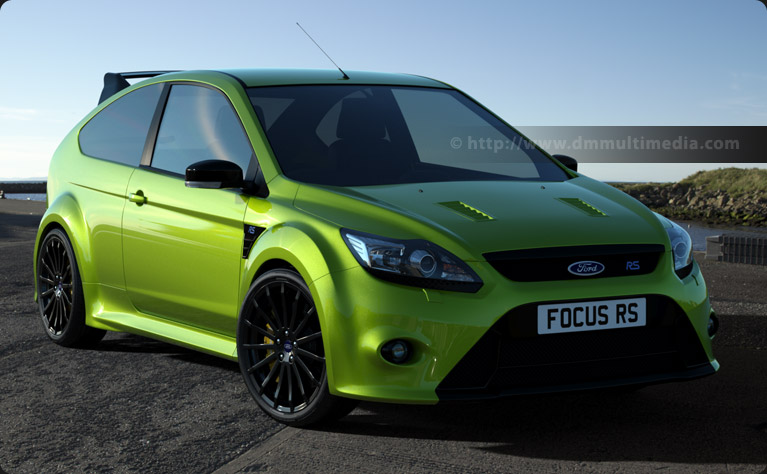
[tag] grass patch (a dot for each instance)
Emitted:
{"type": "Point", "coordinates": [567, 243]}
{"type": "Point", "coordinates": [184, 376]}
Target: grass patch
{"type": "Point", "coordinates": [731, 196]}
{"type": "Point", "coordinates": [734, 181]}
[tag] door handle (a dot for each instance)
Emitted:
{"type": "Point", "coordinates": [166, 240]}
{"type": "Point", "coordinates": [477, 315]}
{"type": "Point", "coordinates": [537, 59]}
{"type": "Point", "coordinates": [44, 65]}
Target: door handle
{"type": "Point", "coordinates": [137, 197]}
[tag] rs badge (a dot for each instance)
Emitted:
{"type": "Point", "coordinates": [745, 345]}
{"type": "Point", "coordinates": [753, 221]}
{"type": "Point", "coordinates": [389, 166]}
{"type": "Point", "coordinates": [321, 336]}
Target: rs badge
{"type": "Point", "coordinates": [251, 234]}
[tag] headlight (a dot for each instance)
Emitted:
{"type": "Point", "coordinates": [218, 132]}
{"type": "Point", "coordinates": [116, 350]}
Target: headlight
{"type": "Point", "coordinates": [411, 262]}
{"type": "Point", "coordinates": [681, 247]}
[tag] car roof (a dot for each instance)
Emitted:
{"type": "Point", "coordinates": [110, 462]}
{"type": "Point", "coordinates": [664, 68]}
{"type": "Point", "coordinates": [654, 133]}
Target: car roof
{"type": "Point", "coordinates": [276, 77]}
{"type": "Point", "coordinates": [115, 82]}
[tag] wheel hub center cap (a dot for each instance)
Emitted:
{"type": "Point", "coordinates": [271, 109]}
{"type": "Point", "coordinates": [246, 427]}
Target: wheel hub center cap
{"type": "Point", "coordinates": [288, 346]}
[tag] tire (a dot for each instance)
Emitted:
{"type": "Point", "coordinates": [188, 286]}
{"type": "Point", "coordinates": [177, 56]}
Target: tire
{"type": "Point", "coordinates": [622, 390]}
{"type": "Point", "coordinates": [281, 355]}
{"type": "Point", "coordinates": [60, 294]}
{"type": "Point", "coordinates": [628, 389]}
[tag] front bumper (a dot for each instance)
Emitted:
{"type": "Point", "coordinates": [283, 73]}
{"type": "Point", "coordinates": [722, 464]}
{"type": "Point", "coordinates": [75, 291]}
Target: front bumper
{"type": "Point", "coordinates": [511, 358]}
{"type": "Point", "coordinates": [360, 313]}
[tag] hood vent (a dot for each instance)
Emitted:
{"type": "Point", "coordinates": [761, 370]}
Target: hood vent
{"type": "Point", "coordinates": [583, 206]}
{"type": "Point", "coordinates": [467, 211]}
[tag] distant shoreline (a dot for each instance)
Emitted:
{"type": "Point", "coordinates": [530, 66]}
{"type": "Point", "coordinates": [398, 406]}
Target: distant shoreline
{"type": "Point", "coordinates": [23, 187]}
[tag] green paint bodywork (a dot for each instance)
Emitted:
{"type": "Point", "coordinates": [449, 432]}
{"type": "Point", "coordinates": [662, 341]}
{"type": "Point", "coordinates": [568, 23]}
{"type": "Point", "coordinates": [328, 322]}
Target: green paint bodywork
{"type": "Point", "coordinates": [172, 268]}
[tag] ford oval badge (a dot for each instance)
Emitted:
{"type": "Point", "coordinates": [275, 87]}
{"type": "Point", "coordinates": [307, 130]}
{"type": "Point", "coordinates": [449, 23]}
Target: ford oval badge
{"type": "Point", "coordinates": [586, 268]}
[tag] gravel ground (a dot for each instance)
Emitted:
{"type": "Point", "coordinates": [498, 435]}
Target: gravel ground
{"type": "Point", "coordinates": [136, 405]}
{"type": "Point", "coordinates": [130, 405]}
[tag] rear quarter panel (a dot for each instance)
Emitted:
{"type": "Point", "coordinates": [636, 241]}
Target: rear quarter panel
{"type": "Point", "coordinates": [86, 197]}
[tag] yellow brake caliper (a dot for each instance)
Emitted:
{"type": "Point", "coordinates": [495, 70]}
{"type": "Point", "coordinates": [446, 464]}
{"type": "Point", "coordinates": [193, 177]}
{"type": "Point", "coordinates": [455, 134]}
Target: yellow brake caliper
{"type": "Point", "coordinates": [269, 352]}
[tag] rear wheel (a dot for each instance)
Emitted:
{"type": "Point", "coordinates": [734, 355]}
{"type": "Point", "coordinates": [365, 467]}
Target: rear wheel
{"type": "Point", "coordinates": [60, 293]}
{"type": "Point", "coordinates": [280, 352]}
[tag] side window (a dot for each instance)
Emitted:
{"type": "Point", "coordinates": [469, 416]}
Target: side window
{"type": "Point", "coordinates": [199, 124]}
{"type": "Point", "coordinates": [118, 133]}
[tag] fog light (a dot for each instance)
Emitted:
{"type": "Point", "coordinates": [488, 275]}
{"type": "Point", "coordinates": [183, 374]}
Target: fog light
{"type": "Point", "coordinates": [713, 325]}
{"type": "Point", "coordinates": [396, 351]}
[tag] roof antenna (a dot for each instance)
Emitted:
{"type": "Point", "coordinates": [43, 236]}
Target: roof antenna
{"type": "Point", "coordinates": [323, 51]}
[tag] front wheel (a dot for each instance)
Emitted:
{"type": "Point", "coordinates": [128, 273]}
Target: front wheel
{"type": "Point", "coordinates": [280, 352]}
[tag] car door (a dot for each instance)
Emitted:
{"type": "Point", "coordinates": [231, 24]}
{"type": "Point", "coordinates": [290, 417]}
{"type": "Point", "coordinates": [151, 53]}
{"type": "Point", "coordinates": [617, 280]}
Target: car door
{"type": "Point", "coordinates": [182, 246]}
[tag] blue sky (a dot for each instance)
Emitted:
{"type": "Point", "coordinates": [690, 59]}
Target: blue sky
{"type": "Point", "coordinates": [591, 62]}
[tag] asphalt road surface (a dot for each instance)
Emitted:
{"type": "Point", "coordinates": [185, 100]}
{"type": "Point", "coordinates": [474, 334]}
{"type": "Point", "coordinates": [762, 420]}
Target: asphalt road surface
{"type": "Point", "coordinates": [136, 405]}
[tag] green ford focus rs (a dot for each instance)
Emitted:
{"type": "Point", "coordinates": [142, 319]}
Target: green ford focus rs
{"type": "Point", "coordinates": [358, 238]}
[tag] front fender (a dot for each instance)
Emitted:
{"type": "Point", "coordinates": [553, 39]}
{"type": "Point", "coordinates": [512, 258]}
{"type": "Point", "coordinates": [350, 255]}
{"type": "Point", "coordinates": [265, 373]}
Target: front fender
{"type": "Point", "coordinates": [288, 244]}
{"type": "Point", "coordinates": [312, 257]}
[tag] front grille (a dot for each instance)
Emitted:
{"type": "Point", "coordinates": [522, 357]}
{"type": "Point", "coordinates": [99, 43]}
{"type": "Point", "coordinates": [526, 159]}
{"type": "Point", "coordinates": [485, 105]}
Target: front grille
{"type": "Point", "coordinates": [511, 356]}
{"type": "Point", "coordinates": [549, 264]}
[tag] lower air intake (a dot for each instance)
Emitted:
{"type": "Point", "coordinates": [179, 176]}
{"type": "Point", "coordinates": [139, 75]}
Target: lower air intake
{"type": "Point", "coordinates": [512, 358]}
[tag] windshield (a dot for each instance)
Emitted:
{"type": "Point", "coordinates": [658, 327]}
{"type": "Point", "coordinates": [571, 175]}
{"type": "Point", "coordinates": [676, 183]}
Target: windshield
{"type": "Point", "coordinates": [345, 135]}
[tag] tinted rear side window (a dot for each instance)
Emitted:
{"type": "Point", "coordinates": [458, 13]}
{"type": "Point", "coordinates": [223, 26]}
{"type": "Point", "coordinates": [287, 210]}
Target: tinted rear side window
{"type": "Point", "coordinates": [118, 133]}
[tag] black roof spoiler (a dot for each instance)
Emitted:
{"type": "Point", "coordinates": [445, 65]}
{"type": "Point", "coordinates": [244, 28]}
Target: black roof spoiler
{"type": "Point", "coordinates": [114, 82]}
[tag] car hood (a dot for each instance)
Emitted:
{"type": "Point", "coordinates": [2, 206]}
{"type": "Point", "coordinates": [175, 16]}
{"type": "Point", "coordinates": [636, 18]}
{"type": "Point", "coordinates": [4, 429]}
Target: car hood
{"type": "Point", "coordinates": [489, 216]}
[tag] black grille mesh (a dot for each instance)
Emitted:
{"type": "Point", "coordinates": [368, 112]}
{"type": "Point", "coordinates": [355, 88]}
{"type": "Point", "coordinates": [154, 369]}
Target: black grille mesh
{"type": "Point", "coordinates": [550, 264]}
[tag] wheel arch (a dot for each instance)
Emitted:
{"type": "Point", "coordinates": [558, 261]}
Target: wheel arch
{"type": "Point", "coordinates": [65, 214]}
{"type": "Point", "coordinates": [273, 264]}
{"type": "Point", "coordinates": [285, 246]}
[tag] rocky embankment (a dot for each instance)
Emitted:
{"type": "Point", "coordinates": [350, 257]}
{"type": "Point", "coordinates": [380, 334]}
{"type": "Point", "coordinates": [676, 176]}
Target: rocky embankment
{"type": "Point", "coordinates": [688, 201]}
{"type": "Point", "coordinates": [23, 187]}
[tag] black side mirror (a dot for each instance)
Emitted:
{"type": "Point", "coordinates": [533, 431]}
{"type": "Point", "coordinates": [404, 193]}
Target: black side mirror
{"type": "Point", "coordinates": [569, 162]}
{"type": "Point", "coordinates": [214, 174]}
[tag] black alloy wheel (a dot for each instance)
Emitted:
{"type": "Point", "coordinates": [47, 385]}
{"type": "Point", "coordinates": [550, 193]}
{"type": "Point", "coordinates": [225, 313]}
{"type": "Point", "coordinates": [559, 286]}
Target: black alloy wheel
{"type": "Point", "coordinates": [280, 352]}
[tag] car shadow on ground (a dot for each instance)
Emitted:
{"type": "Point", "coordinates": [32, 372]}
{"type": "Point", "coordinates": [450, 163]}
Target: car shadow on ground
{"type": "Point", "coordinates": [131, 343]}
{"type": "Point", "coordinates": [718, 419]}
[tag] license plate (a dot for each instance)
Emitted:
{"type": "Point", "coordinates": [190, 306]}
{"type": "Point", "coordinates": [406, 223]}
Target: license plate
{"type": "Point", "coordinates": [591, 316]}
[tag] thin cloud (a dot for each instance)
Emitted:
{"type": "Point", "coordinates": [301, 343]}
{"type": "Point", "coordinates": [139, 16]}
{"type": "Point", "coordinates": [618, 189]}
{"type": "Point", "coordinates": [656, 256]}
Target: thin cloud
{"type": "Point", "coordinates": [9, 113]}
{"type": "Point", "coordinates": [24, 156]}
{"type": "Point", "coordinates": [747, 106]}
